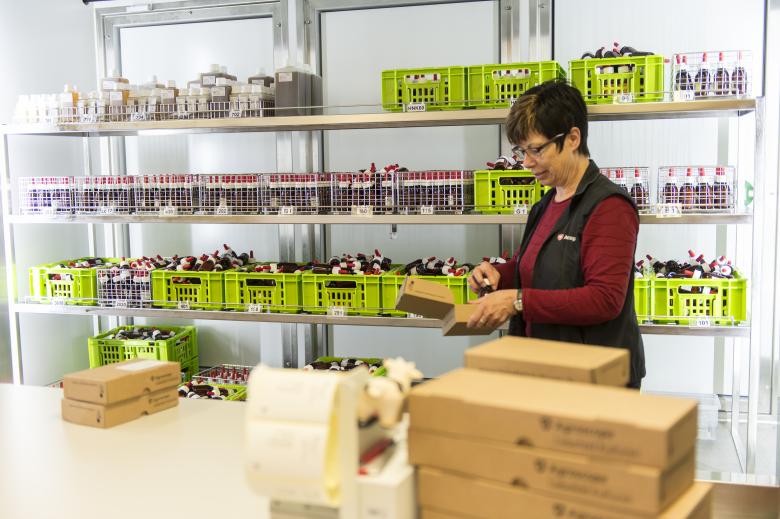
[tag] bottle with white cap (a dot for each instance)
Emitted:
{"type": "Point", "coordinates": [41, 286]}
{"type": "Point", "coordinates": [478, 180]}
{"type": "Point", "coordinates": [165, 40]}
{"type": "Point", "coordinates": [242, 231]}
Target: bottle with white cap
{"type": "Point", "coordinates": [110, 83]}
{"type": "Point", "coordinates": [167, 99]}
{"type": "Point", "coordinates": [153, 83]}
{"type": "Point", "coordinates": [202, 103]}
{"type": "Point", "coordinates": [261, 78]}
{"type": "Point", "coordinates": [220, 97]}
{"type": "Point", "coordinates": [68, 104]}
{"type": "Point", "coordinates": [293, 90]}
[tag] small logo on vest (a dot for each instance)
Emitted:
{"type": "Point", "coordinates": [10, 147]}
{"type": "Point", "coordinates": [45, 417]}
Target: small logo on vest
{"type": "Point", "coordinates": [566, 237]}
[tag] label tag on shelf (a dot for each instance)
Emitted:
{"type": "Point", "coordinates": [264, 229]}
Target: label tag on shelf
{"type": "Point", "coordinates": [415, 107]}
{"type": "Point", "coordinates": [168, 211]}
{"type": "Point", "coordinates": [683, 95]}
{"type": "Point", "coordinates": [668, 211]}
{"type": "Point", "coordinates": [223, 210]}
{"type": "Point", "coordinates": [49, 211]}
{"type": "Point", "coordinates": [88, 118]}
{"type": "Point", "coordinates": [120, 303]}
{"type": "Point", "coordinates": [184, 305]}
{"type": "Point", "coordinates": [337, 311]}
{"type": "Point", "coordinates": [235, 114]}
{"type": "Point", "coordinates": [414, 316]}
{"type": "Point", "coordinates": [426, 209]}
{"type": "Point", "coordinates": [107, 209]}
{"type": "Point", "coordinates": [700, 322]}
{"type": "Point", "coordinates": [512, 101]}
{"type": "Point", "coordinates": [520, 209]}
{"type": "Point", "coordinates": [139, 116]}
{"type": "Point", "coordinates": [287, 210]}
{"type": "Point", "coordinates": [254, 308]}
{"type": "Point", "coordinates": [623, 98]}
{"type": "Point", "coordinates": [363, 210]}
{"type": "Point", "coordinates": [58, 301]}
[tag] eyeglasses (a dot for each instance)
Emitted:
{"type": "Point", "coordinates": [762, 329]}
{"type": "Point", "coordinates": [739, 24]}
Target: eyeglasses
{"type": "Point", "coordinates": [534, 151]}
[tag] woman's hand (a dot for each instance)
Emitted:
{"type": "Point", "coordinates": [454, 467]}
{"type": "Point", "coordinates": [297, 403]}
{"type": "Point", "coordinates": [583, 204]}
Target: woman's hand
{"type": "Point", "coordinates": [493, 309]}
{"type": "Point", "coordinates": [484, 271]}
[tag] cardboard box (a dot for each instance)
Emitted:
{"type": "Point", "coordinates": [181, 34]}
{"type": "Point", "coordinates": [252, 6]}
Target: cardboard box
{"type": "Point", "coordinates": [436, 301]}
{"type": "Point", "coordinates": [596, 421]}
{"type": "Point", "coordinates": [551, 359]}
{"type": "Point", "coordinates": [463, 496]}
{"type": "Point", "coordinates": [105, 416]}
{"type": "Point", "coordinates": [572, 477]}
{"type": "Point", "coordinates": [117, 382]}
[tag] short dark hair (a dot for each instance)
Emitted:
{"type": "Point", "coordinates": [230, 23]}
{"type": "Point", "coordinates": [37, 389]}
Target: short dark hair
{"type": "Point", "coordinates": [549, 109]}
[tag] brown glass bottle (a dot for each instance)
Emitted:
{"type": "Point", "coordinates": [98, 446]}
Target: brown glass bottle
{"type": "Point", "coordinates": [671, 194]}
{"type": "Point", "coordinates": [721, 190]}
{"type": "Point", "coordinates": [704, 192]}
{"type": "Point", "coordinates": [688, 192]}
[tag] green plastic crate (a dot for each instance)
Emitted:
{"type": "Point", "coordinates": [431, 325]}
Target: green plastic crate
{"type": "Point", "coordinates": [491, 87]}
{"type": "Point", "coordinates": [361, 299]}
{"type": "Point", "coordinates": [645, 81]}
{"type": "Point", "coordinates": [204, 290]}
{"type": "Point", "coordinates": [668, 304]}
{"type": "Point", "coordinates": [182, 347]}
{"type": "Point", "coordinates": [440, 88]}
{"type": "Point", "coordinates": [279, 293]}
{"type": "Point", "coordinates": [493, 197]}
{"type": "Point", "coordinates": [81, 290]}
{"type": "Point", "coordinates": [380, 372]}
{"type": "Point", "coordinates": [238, 396]}
{"type": "Point", "coordinates": [392, 281]}
{"type": "Point", "coordinates": [642, 299]}
{"type": "Point", "coordinates": [189, 369]}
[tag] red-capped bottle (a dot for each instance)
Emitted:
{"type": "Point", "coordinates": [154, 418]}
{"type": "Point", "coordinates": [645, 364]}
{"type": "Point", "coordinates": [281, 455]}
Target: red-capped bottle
{"type": "Point", "coordinates": [721, 191]}
{"type": "Point", "coordinates": [704, 191]}
{"type": "Point", "coordinates": [639, 192]}
{"type": "Point", "coordinates": [721, 78]}
{"type": "Point", "coordinates": [620, 179]}
{"type": "Point", "coordinates": [671, 193]}
{"type": "Point", "coordinates": [682, 79]}
{"type": "Point", "coordinates": [739, 78]}
{"type": "Point", "coordinates": [703, 79]}
{"type": "Point", "coordinates": [688, 191]}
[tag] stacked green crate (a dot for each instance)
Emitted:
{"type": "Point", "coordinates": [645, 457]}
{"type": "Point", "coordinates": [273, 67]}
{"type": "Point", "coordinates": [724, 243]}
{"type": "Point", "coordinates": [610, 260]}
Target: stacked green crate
{"type": "Point", "coordinates": [355, 294]}
{"type": "Point", "coordinates": [503, 191]}
{"type": "Point", "coordinates": [280, 293]}
{"type": "Point", "coordinates": [73, 286]}
{"type": "Point", "coordinates": [684, 301]}
{"type": "Point", "coordinates": [498, 85]}
{"type": "Point", "coordinates": [438, 88]}
{"type": "Point", "coordinates": [181, 348]}
{"type": "Point", "coordinates": [197, 290]}
{"type": "Point", "coordinates": [623, 79]}
{"type": "Point", "coordinates": [394, 279]}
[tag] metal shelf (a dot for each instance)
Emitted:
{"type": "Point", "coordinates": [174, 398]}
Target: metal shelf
{"type": "Point", "coordinates": [415, 219]}
{"type": "Point", "coordinates": [400, 322]}
{"type": "Point", "coordinates": [606, 112]}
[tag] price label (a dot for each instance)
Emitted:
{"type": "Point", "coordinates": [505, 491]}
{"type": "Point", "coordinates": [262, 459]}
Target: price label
{"type": "Point", "coordinates": [623, 98]}
{"type": "Point", "coordinates": [254, 308]}
{"type": "Point", "coordinates": [235, 114]}
{"type": "Point", "coordinates": [169, 210]}
{"type": "Point", "coordinates": [414, 316]}
{"type": "Point", "coordinates": [184, 305]}
{"type": "Point", "coordinates": [107, 209]}
{"type": "Point", "coordinates": [49, 211]}
{"type": "Point", "coordinates": [415, 107]}
{"type": "Point", "coordinates": [223, 210]}
{"type": "Point", "coordinates": [426, 209]}
{"type": "Point", "coordinates": [58, 301]}
{"type": "Point", "coordinates": [512, 101]}
{"type": "Point", "coordinates": [366, 211]}
{"type": "Point", "coordinates": [183, 114]}
{"type": "Point", "coordinates": [520, 209]}
{"type": "Point", "coordinates": [337, 311]}
{"type": "Point", "coordinates": [139, 116]}
{"type": "Point", "coordinates": [287, 210]}
{"type": "Point", "coordinates": [700, 322]}
{"type": "Point", "coordinates": [120, 303]}
{"type": "Point", "coordinates": [88, 118]}
{"type": "Point", "coordinates": [683, 95]}
{"type": "Point", "coordinates": [668, 211]}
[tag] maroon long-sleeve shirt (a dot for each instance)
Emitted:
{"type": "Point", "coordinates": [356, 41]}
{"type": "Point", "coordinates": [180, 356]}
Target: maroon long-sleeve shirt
{"type": "Point", "coordinates": [606, 258]}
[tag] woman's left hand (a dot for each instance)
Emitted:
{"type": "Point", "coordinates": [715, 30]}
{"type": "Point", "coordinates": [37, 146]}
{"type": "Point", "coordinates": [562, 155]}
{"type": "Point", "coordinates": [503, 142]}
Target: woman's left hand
{"type": "Point", "coordinates": [493, 309]}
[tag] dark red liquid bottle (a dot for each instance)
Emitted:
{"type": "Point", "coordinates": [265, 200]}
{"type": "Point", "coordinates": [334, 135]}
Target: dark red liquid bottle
{"type": "Point", "coordinates": [703, 79]}
{"type": "Point", "coordinates": [704, 191]}
{"type": "Point", "coordinates": [688, 192]}
{"type": "Point", "coordinates": [721, 191]}
{"type": "Point", "coordinates": [671, 194]}
{"type": "Point", "coordinates": [639, 191]}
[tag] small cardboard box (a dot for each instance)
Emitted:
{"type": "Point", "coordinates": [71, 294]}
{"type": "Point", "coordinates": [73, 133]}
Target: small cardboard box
{"type": "Point", "coordinates": [598, 421]}
{"type": "Point", "coordinates": [436, 301]}
{"type": "Point", "coordinates": [114, 383]}
{"type": "Point", "coordinates": [550, 359]}
{"type": "Point", "coordinates": [638, 488]}
{"type": "Point", "coordinates": [462, 496]}
{"type": "Point", "coordinates": [105, 416]}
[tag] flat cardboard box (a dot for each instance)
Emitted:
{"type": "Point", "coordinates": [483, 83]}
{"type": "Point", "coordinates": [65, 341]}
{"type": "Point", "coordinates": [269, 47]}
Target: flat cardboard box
{"type": "Point", "coordinates": [105, 416]}
{"type": "Point", "coordinates": [551, 359]}
{"type": "Point", "coordinates": [464, 496]}
{"type": "Point", "coordinates": [645, 490]}
{"type": "Point", "coordinates": [114, 383]}
{"type": "Point", "coordinates": [597, 421]}
{"type": "Point", "coordinates": [435, 301]}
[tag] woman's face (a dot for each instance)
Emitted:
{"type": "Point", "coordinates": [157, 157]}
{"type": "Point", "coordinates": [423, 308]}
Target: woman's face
{"type": "Point", "coordinates": [550, 166]}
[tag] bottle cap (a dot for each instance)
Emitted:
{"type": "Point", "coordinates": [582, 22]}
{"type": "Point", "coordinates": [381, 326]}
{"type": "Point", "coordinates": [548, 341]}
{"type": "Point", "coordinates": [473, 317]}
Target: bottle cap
{"type": "Point", "coordinates": [222, 81]}
{"type": "Point", "coordinates": [114, 72]}
{"type": "Point", "coordinates": [260, 72]}
{"type": "Point", "coordinates": [171, 83]}
{"type": "Point", "coordinates": [214, 67]}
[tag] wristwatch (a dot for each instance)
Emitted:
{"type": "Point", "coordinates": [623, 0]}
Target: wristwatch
{"type": "Point", "coordinates": [518, 303]}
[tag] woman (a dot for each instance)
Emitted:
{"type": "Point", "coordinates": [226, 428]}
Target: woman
{"type": "Point", "coordinates": [572, 277]}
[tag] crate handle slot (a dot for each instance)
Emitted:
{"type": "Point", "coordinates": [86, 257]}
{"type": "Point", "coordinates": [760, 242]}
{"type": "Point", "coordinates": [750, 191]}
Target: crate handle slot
{"type": "Point", "coordinates": [185, 281]}
{"type": "Point", "coordinates": [340, 284]}
{"type": "Point", "coordinates": [260, 282]}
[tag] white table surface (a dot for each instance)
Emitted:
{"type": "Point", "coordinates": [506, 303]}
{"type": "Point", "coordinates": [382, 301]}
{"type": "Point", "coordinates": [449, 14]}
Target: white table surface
{"type": "Point", "coordinates": [184, 462]}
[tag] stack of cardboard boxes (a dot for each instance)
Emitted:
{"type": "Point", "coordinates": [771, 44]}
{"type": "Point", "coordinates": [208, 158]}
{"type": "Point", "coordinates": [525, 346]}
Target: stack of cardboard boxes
{"type": "Point", "coordinates": [117, 393]}
{"type": "Point", "coordinates": [518, 444]}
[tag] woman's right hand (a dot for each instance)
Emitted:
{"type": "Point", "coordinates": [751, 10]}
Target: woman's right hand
{"type": "Point", "coordinates": [484, 271]}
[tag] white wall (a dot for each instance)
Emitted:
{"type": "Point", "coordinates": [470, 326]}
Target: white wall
{"type": "Point", "coordinates": [673, 363]}
{"type": "Point", "coordinates": [43, 44]}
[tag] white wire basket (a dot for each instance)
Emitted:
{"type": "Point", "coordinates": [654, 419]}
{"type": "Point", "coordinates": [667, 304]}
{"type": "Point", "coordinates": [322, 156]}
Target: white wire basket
{"type": "Point", "coordinates": [431, 192]}
{"type": "Point", "coordinates": [636, 181]}
{"type": "Point", "coordinates": [46, 195]}
{"type": "Point", "coordinates": [706, 74]}
{"type": "Point", "coordinates": [104, 195]}
{"type": "Point", "coordinates": [363, 192]}
{"type": "Point", "coordinates": [124, 287]}
{"type": "Point", "coordinates": [289, 193]}
{"type": "Point", "coordinates": [166, 194]}
{"type": "Point", "coordinates": [229, 194]}
{"type": "Point", "coordinates": [697, 189]}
